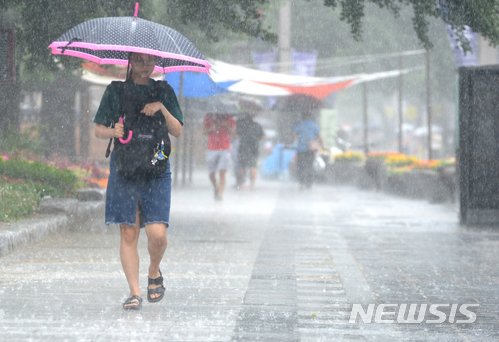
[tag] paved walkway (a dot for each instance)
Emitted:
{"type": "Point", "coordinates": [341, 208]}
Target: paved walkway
{"type": "Point", "coordinates": [273, 264]}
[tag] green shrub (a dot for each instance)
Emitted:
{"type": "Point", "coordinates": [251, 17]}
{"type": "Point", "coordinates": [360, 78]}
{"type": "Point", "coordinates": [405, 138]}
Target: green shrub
{"type": "Point", "coordinates": [18, 200]}
{"type": "Point", "coordinates": [64, 182]}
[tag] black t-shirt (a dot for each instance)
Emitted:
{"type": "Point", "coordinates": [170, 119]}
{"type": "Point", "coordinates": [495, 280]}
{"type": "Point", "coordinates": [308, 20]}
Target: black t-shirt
{"type": "Point", "coordinates": [250, 133]}
{"type": "Point", "coordinates": [109, 108]}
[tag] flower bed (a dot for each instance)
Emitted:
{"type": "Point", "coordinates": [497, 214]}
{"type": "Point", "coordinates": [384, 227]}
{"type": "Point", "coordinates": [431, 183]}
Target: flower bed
{"type": "Point", "coordinates": [24, 182]}
{"type": "Point", "coordinates": [399, 160]}
{"type": "Point", "coordinates": [346, 167]}
{"type": "Point", "coordinates": [27, 175]}
{"type": "Point", "coordinates": [382, 155]}
{"type": "Point", "coordinates": [399, 174]}
{"type": "Point", "coordinates": [349, 157]}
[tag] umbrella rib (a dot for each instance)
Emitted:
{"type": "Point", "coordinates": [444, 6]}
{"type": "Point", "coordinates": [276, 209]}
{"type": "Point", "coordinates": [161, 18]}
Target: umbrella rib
{"type": "Point", "coordinates": [174, 42]}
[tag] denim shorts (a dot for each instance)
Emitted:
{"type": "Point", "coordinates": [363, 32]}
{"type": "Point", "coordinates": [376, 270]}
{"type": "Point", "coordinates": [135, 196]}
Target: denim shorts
{"type": "Point", "coordinates": [151, 196]}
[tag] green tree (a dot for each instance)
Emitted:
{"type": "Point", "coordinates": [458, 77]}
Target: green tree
{"type": "Point", "coordinates": [481, 16]}
{"type": "Point", "coordinates": [43, 21]}
{"type": "Point", "coordinates": [40, 22]}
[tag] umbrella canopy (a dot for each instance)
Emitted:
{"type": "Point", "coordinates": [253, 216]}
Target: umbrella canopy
{"type": "Point", "coordinates": [196, 84]}
{"type": "Point", "coordinates": [250, 105]}
{"type": "Point", "coordinates": [109, 40]}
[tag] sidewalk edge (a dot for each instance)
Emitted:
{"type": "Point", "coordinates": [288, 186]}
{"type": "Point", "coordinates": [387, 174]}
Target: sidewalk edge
{"type": "Point", "coordinates": [16, 235]}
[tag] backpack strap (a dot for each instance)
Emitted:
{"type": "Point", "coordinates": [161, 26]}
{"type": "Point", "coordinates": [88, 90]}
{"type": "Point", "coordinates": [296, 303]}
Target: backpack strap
{"type": "Point", "coordinates": [119, 87]}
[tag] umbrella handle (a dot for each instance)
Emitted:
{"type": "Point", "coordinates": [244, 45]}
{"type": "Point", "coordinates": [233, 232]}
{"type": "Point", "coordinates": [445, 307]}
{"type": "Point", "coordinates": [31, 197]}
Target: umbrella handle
{"type": "Point", "coordinates": [130, 134]}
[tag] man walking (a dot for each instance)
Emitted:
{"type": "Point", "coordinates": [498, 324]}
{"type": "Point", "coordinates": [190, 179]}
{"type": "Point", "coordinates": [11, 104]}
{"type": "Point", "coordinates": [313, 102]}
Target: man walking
{"type": "Point", "coordinates": [250, 133]}
{"type": "Point", "coordinates": [219, 128]}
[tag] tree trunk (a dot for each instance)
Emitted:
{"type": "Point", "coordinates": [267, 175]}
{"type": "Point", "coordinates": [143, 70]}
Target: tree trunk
{"type": "Point", "coordinates": [58, 115]}
{"type": "Point", "coordinates": [9, 107]}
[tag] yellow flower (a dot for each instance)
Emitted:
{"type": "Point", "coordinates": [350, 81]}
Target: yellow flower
{"type": "Point", "coordinates": [398, 160]}
{"type": "Point", "coordinates": [349, 156]}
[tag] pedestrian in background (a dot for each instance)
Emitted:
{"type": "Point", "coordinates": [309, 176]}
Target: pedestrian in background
{"type": "Point", "coordinates": [219, 128]}
{"type": "Point", "coordinates": [307, 132]}
{"type": "Point", "coordinates": [137, 203]}
{"type": "Point", "coordinates": [250, 133]}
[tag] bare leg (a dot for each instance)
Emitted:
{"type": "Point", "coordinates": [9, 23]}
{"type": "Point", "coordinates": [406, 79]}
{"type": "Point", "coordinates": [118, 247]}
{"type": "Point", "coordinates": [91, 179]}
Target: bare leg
{"type": "Point", "coordinates": [129, 255]}
{"type": "Point", "coordinates": [157, 242]}
{"type": "Point", "coordinates": [221, 185]}
{"type": "Point", "coordinates": [252, 177]}
{"type": "Point", "coordinates": [240, 176]}
{"type": "Point", "coordinates": [213, 180]}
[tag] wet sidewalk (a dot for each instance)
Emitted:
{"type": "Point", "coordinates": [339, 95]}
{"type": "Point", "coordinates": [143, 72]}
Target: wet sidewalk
{"type": "Point", "coordinates": [273, 264]}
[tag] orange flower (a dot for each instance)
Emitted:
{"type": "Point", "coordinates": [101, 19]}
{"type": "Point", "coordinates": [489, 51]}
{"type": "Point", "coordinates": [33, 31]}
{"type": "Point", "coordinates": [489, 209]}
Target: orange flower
{"type": "Point", "coordinates": [426, 164]}
{"type": "Point", "coordinates": [382, 153]}
{"type": "Point", "coordinates": [98, 182]}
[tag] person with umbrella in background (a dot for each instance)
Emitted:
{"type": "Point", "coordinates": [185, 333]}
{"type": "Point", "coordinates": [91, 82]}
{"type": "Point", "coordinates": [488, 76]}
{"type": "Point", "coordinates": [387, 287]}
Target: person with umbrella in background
{"type": "Point", "coordinates": [307, 132]}
{"type": "Point", "coordinates": [134, 203]}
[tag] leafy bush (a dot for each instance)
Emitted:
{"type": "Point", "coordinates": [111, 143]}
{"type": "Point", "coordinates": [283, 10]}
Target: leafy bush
{"type": "Point", "coordinates": [62, 181]}
{"type": "Point", "coordinates": [19, 199]}
{"type": "Point", "coordinates": [400, 170]}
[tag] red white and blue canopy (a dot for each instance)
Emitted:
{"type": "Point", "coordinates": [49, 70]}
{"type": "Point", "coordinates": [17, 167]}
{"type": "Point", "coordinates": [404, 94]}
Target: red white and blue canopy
{"type": "Point", "coordinates": [258, 82]}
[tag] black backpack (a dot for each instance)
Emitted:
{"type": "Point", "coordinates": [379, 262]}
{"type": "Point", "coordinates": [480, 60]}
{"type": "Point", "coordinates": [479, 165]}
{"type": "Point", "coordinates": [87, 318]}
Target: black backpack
{"type": "Point", "coordinates": [145, 155]}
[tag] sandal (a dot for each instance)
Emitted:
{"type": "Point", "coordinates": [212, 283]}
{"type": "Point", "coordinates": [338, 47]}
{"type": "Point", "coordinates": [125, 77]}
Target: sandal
{"type": "Point", "coordinates": [160, 290]}
{"type": "Point", "coordinates": [133, 303]}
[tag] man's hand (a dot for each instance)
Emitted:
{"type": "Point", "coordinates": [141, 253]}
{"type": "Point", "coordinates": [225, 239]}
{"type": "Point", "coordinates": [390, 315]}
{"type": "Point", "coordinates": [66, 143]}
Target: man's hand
{"type": "Point", "coordinates": [227, 126]}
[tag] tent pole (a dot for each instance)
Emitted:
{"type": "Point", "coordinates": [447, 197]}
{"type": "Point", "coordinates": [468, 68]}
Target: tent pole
{"type": "Point", "coordinates": [400, 104]}
{"type": "Point", "coordinates": [177, 142]}
{"type": "Point", "coordinates": [191, 145]}
{"type": "Point", "coordinates": [428, 103]}
{"type": "Point", "coordinates": [185, 137]}
{"type": "Point", "coordinates": [365, 116]}
{"type": "Point", "coordinates": [284, 43]}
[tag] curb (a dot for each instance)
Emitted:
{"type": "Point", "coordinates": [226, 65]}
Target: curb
{"type": "Point", "coordinates": [55, 215]}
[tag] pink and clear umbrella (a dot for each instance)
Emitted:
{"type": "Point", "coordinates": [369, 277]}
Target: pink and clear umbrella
{"type": "Point", "coordinates": [109, 40]}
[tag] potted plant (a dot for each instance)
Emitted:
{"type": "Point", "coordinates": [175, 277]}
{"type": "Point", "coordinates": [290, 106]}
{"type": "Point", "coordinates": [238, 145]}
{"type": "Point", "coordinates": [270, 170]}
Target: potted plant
{"type": "Point", "coordinates": [346, 167]}
{"type": "Point", "coordinates": [376, 174]}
